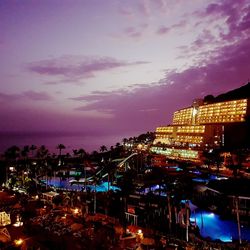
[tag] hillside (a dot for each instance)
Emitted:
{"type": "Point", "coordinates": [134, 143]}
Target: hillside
{"type": "Point", "coordinates": [239, 93]}
{"type": "Point", "coordinates": [235, 94]}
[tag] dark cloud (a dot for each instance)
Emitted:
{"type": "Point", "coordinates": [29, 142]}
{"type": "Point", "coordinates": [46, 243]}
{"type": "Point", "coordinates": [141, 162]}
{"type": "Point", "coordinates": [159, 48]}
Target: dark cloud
{"type": "Point", "coordinates": [27, 95]}
{"type": "Point", "coordinates": [226, 68]}
{"type": "Point", "coordinates": [97, 95]}
{"type": "Point", "coordinates": [74, 68]}
{"type": "Point", "coordinates": [7, 97]}
{"type": "Point", "coordinates": [236, 16]}
{"type": "Point", "coordinates": [37, 96]}
{"type": "Point", "coordinates": [233, 29]}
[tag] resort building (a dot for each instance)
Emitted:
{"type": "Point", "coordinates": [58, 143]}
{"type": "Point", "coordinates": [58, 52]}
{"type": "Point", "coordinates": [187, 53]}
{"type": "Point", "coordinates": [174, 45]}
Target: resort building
{"type": "Point", "coordinates": [204, 126]}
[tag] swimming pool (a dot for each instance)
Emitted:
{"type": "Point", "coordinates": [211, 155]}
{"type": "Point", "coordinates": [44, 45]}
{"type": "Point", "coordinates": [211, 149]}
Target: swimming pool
{"type": "Point", "coordinates": [209, 178]}
{"type": "Point", "coordinates": [211, 225]}
{"type": "Point", "coordinates": [65, 184]}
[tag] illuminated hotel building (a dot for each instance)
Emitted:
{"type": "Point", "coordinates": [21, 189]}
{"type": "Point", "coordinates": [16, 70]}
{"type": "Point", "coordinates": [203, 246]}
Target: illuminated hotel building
{"type": "Point", "coordinates": [203, 126]}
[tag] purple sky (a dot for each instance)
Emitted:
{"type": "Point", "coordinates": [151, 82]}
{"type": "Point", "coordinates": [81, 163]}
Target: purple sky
{"type": "Point", "coordinates": [116, 67]}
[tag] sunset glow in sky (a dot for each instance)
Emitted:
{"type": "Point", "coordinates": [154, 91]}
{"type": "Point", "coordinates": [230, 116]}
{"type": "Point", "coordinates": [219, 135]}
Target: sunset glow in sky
{"type": "Point", "coordinates": [116, 67]}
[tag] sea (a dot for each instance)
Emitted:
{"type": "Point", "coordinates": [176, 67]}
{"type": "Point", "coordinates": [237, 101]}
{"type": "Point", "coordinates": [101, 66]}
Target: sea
{"type": "Point", "coordinates": [51, 140]}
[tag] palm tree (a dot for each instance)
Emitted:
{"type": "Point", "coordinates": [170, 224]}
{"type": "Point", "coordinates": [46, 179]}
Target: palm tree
{"type": "Point", "coordinates": [237, 159]}
{"type": "Point", "coordinates": [60, 147]}
{"type": "Point", "coordinates": [103, 148]}
{"type": "Point", "coordinates": [68, 155]}
{"type": "Point", "coordinates": [124, 141]}
{"type": "Point", "coordinates": [42, 152]}
{"type": "Point", "coordinates": [11, 155]}
{"type": "Point", "coordinates": [95, 181]}
{"type": "Point", "coordinates": [25, 151]}
{"type": "Point", "coordinates": [238, 218]}
{"type": "Point", "coordinates": [127, 187]}
{"type": "Point", "coordinates": [42, 165]}
{"type": "Point", "coordinates": [82, 153]}
{"type": "Point", "coordinates": [24, 154]}
{"type": "Point", "coordinates": [33, 148]}
{"type": "Point", "coordinates": [75, 152]}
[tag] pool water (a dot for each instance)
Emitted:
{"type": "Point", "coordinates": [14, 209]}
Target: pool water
{"type": "Point", "coordinates": [65, 184]}
{"type": "Point", "coordinates": [211, 177]}
{"type": "Point", "coordinates": [103, 187]}
{"type": "Point", "coordinates": [155, 189]}
{"type": "Point", "coordinates": [211, 225]}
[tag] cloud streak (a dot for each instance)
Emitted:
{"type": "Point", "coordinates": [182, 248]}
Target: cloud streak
{"type": "Point", "coordinates": [78, 67]}
{"type": "Point", "coordinates": [27, 95]}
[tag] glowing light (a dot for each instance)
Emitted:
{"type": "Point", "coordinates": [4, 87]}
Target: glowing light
{"type": "Point", "coordinates": [139, 235]}
{"type": "Point", "coordinates": [18, 242]}
{"type": "Point", "coordinates": [18, 222]}
{"type": "Point", "coordinates": [195, 111]}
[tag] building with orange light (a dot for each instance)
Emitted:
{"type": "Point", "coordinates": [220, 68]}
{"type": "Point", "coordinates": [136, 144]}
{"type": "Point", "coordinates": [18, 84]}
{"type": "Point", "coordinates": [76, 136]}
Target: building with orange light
{"type": "Point", "coordinates": [204, 126]}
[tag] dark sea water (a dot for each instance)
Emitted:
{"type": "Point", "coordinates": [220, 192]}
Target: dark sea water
{"type": "Point", "coordinates": [51, 140]}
